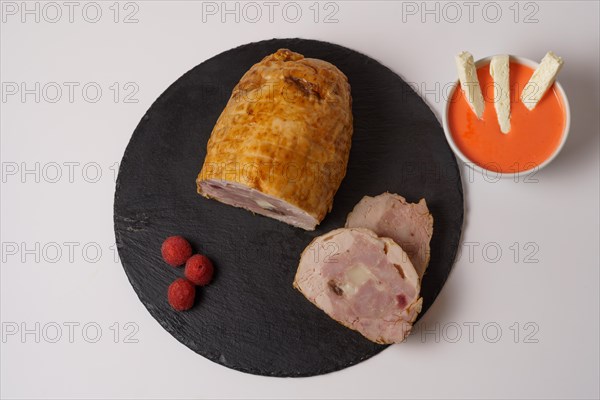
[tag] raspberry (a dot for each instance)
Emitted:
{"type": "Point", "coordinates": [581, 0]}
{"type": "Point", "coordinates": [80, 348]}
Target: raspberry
{"type": "Point", "coordinates": [176, 250]}
{"type": "Point", "coordinates": [181, 294]}
{"type": "Point", "coordinates": [199, 270]}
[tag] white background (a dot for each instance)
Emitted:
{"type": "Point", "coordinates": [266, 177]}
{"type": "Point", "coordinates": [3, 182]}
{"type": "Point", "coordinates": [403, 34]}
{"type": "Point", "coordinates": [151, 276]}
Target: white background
{"type": "Point", "coordinates": [553, 221]}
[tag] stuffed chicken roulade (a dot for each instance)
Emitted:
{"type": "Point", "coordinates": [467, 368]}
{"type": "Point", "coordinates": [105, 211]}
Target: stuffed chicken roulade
{"type": "Point", "coordinates": [280, 147]}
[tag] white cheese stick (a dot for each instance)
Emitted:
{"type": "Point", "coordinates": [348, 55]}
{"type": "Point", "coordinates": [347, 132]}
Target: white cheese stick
{"type": "Point", "coordinates": [499, 70]}
{"type": "Point", "coordinates": [541, 80]}
{"type": "Point", "coordinates": [467, 74]}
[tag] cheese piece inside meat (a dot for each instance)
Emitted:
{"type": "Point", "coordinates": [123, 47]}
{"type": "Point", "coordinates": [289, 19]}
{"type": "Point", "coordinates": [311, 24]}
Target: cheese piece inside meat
{"type": "Point", "coordinates": [280, 148]}
{"type": "Point", "coordinates": [362, 281]}
{"type": "Point", "coordinates": [408, 224]}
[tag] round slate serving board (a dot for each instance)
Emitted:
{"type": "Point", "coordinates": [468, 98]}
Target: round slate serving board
{"type": "Point", "coordinates": [250, 318]}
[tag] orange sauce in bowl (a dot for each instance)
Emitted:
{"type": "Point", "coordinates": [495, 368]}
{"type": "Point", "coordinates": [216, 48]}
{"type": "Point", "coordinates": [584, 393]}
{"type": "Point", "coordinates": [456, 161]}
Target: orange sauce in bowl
{"type": "Point", "coordinates": [534, 135]}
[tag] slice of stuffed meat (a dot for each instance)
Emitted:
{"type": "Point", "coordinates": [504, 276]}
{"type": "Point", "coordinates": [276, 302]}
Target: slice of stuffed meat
{"type": "Point", "coordinates": [364, 282]}
{"type": "Point", "coordinates": [408, 224]}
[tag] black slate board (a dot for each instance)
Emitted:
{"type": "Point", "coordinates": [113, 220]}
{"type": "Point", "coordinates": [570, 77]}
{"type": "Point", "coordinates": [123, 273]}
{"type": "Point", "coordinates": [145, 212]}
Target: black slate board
{"type": "Point", "coordinates": [250, 318]}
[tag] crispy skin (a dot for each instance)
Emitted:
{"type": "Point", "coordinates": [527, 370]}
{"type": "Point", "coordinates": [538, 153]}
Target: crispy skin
{"type": "Point", "coordinates": [286, 133]}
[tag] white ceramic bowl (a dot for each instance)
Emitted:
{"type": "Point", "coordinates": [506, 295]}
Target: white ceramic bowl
{"type": "Point", "coordinates": [491, 173]}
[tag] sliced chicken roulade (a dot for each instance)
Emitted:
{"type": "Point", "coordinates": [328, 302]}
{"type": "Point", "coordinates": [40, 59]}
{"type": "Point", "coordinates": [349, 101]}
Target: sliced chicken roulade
{"type": "Point", "coordinates": [408, 224]}
{"type": "Point", "coordinates": [364, 282]}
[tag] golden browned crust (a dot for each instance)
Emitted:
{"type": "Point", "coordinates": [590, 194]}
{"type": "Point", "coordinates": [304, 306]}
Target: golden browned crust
{"type": "Point", "coordinates": [286, 131]}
